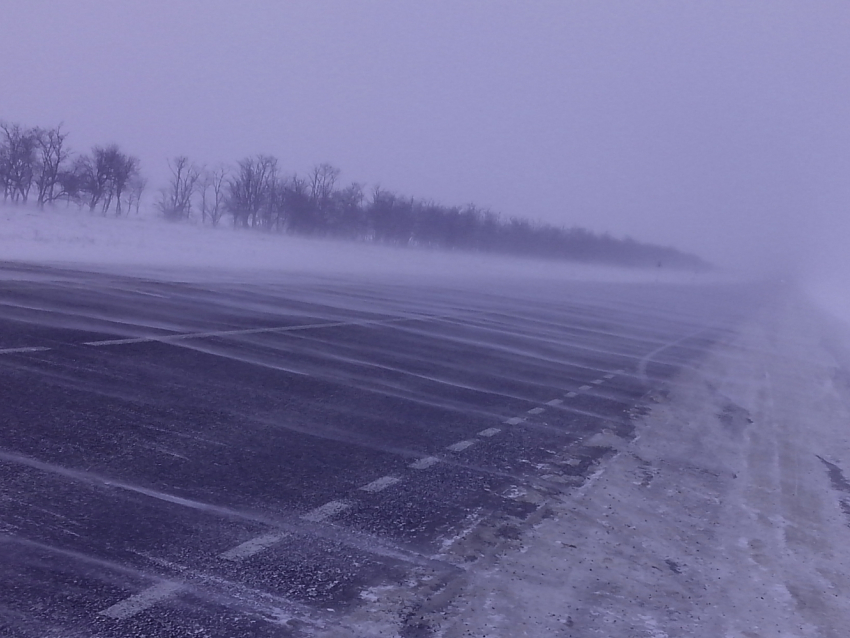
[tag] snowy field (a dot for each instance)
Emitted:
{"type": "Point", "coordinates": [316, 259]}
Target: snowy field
{"type": "Point", "coordinates": [76, 237]}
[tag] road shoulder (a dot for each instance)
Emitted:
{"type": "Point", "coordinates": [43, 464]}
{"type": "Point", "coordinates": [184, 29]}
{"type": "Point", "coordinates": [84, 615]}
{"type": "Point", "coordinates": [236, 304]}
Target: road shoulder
{"type": "Point", "coordinates": [724, 517]}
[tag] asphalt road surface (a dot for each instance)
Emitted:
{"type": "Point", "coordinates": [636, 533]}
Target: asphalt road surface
{"type": "Point", "coordinates": [252, 457]}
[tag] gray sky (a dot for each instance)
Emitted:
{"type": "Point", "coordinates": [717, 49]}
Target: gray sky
{"type": "Point", "coordinates": [719, 127]}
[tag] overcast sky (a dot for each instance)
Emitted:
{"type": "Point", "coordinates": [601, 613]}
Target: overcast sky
{"type": "Point", "coordinates": [719, 127]}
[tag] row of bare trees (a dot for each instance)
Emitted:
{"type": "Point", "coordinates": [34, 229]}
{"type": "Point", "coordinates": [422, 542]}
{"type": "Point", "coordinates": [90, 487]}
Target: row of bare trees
{"type": "Point", "coordinates": [256, 194]}
{"type": "Point", "coordinates": [37, 164]}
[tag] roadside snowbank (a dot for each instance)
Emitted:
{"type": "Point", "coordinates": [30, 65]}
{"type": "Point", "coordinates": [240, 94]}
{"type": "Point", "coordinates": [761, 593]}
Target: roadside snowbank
{"type": "Point", "coordinates": [727, 516]}
{"type": "Point", "coordinates": [71, 236]}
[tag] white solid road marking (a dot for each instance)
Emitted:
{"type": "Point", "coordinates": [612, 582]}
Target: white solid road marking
{"type": "Point", "coordinates": [460, 446]}
{"type": "Point", "coordinates": [535, 411]}
{"type": "Point", "coordinates": [28, 349]}
{"type": "Point", "coordinates": [324, 512]}
{"type": "Point", "coordinates": [584, 387]}
{"type": "Point", "coordinates": [141, 601]}
{"type": "Point", "coordinates": [489, 432]}
{"type": "Point", "coordinates": [380, 484]}
{"type": "Point", "coordinates": [554, 402]}
{"type": "Point", "coordinates": [572, 394]}
{"type": "Point", "coordinates": [253, 546]}
{"type": "Point", "coordinates": [610, 375]}
{"type": "Point", "coordinates": [516, 420]}
{"type": "Point", "coordinates": [424, 463]}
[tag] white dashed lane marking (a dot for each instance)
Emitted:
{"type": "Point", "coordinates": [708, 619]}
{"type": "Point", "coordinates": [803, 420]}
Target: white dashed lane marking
{"type": "Point", "coordinates": [157, 593]}
{"type": "Point", "coordinates": [29, 349]}
{"type": "Point", "coordinates": [424, 463]}
{"type": "Point", "coordinates": [163, 590]}
{"type": "Point", "coordinates": [141, 601]}
{"type": "Point", "coordinates": [253, 546]}
{"type": "Point", "coordinates": [380, 484]}
{"type": "Point", "coordinates": [326, 511]}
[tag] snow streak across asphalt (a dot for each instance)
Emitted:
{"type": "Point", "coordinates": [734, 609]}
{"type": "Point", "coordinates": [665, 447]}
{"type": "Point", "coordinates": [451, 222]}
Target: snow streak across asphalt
{"type": "Point", "coordinates": [255, 458]}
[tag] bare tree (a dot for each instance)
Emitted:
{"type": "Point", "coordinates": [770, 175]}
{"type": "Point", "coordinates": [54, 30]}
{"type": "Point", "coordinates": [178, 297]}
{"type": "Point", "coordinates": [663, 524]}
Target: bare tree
{"type": "Point", "coordinates": [175, 200]}
{"type": "Point", "coordinates": [73, 180]}
{"type": "Point", "coordinates": [5, 178]}
{"type": "Point", "coordinates": [97, 179]}
{"type": "Point", "coordinates": [249, 190]}
{"type": "Point", "coordinates": [124, 169]}
{"type": "Point", "coordinates": [212, 187]}
{"type": "Point", "coordinates": [92, 179]}
{"type": "Point", "coordinates": [295, 211]}
{"type": "Point", "coordinates": [103, 177]}
{"type": "Point", "coordinates": [95, 172]}
{"type": "Point", "coordinates": [53, 154]}
{"type": "Point", "coordinates": [17, 160]}
{"type": "Point", "coordinates": [323, 178]}
{"type": "Point", "coordinates": [135, 190]}
{"type": "Point", "coordinates": [346, 218]}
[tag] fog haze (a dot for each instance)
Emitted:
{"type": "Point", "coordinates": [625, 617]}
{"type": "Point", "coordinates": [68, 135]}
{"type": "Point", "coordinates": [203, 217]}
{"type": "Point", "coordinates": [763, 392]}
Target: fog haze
{"type": "Point", "coordinates": [244, 394]}
{"type": "Point", "coordinates": [720, 128]}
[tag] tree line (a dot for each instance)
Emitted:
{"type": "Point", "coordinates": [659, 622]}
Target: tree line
{"type": "Point", "coordinates": [37, 164]}
{"type": "Point", "coordinates": [254, 193]}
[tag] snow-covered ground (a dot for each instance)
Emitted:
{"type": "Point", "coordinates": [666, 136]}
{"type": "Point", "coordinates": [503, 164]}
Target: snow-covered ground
{"type": "Point", "coordinates": [67, 235]}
